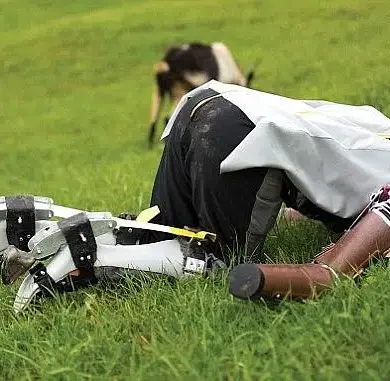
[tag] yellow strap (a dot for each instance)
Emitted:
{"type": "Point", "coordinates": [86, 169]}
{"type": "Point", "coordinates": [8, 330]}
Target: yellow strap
{"type": "Point", "coordinates": [197, 235]}
{"type": "Point", "coordinates": [147, 214]}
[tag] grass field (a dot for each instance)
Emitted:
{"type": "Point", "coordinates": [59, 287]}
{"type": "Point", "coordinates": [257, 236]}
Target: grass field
{"type": "Point", "coordinates": [75, 86]}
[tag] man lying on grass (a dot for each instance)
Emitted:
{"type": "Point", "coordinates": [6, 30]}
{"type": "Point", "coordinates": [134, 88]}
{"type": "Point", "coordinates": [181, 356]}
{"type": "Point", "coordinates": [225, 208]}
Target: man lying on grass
{"type": "Point", "coordinates": [232, 157]}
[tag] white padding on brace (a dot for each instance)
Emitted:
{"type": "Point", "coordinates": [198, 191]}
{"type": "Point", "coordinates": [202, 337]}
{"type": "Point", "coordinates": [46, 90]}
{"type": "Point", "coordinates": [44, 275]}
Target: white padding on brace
{"type": "Point", "coordinates": [64, 211]}
{"type": "Point", "coordinates": [163, 257]}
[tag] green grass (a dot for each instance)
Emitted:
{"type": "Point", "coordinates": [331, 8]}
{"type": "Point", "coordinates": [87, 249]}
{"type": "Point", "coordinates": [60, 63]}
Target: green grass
{"type": "Point", "coordinates": [75, 85]}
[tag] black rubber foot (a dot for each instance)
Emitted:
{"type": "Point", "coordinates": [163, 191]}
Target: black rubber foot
{"type": "Point", "coordinates": [246, 281]}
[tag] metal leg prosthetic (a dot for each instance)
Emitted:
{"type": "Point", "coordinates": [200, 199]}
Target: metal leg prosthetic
{"type": "Point", "coordinates": [84, 245]}
{"type": "Point", "coordinates": [368, 239]}
{"type": "Point", "coordinates": [161, 257]}
{"type": "Point", "coordinates": [75, 249]}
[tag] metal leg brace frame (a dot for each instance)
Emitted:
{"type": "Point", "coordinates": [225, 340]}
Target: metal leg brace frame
{"type": "Point", "coordinates": [82, 242]}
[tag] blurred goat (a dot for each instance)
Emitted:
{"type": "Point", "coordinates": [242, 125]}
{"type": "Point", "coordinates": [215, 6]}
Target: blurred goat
{"type": "Point", "coordinates": [188, 66]}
